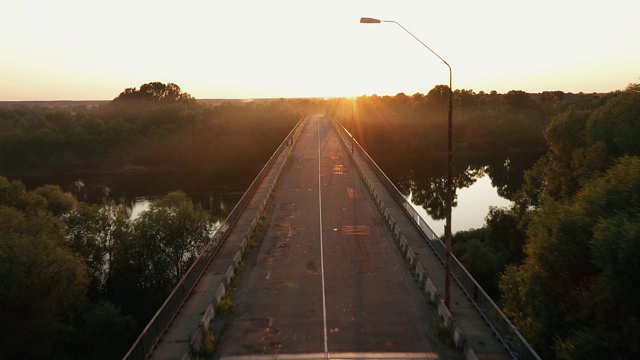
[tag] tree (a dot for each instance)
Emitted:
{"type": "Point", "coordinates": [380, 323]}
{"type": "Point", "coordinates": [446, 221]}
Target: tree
{"type": "Point", "coordinates": [97, 233]}
{"type": "Point", "coordinates": [439, 96]}
{"type": "Point", "coordinates": [582, 263]}
{"type": "Point", "coordinates": [165, 241]}
{"type": "Point", "coordinates": [616, 125]}
{"type": "Point", "coordinates": [41, 281]}
{"type": "Point", "coordinates": [155, 92]}
{"type": "Point", "coordinates": [518, 101]}
{"type": "Point", "coordinates": [101, 333]}
{"type": "Point", "coordinates": [176, 230]}
{"type": "Point", "coordinates": [488, 251]}
{"type": "Point", "coordinates": [58, 201]}
{"type": "Point", "coordinates": [583, 143]}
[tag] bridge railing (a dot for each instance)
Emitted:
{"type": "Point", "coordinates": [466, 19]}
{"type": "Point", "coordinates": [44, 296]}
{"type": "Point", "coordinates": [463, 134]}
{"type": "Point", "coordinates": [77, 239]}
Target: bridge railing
{"type": "Point", "coordinates": [505, 331]}
{"type": "Point", "coordinates": [150, 335]}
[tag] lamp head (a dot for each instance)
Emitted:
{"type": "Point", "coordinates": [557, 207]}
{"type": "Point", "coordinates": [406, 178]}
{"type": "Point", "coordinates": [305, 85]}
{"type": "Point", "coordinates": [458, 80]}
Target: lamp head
{"type": "Point", "coordinates": [366, 20]}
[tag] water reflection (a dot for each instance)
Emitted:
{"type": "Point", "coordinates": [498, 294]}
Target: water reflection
{"type": "Point", "coordinates": [139, 205]}
{"type": "Point", "coordinates": [479, 182]}
{"type": "Point", "coordinates": [217, 192]}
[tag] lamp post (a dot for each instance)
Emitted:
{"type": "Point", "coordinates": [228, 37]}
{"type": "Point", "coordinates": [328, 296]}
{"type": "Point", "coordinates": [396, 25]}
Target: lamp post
{"type": "Point", "coordinates": [449, 196]}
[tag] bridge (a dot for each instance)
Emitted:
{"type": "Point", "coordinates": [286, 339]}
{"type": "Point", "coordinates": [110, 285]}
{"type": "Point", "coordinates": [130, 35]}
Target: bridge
{"type": "Point", "coordinates": [323, 258]}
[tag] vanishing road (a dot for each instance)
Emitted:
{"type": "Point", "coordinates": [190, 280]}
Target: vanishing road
{"type": "Point", "coordinates": [326, 279]}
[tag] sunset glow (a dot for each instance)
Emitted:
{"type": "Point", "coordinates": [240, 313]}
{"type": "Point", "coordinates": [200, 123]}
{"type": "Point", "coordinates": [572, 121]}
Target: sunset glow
{"type": "Point", "coordinates": [93, 49]}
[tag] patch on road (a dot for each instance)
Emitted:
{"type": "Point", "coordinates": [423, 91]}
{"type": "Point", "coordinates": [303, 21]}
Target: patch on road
{"type": "Point", "coordinates": [283, 229]}
{"type": "Point", "coordinates": [313, 267]}
{"type": "Point", "coordinates": [353, 193]}
{"type": "Point", "coordinates": [261, 336]}
{"type": "Point", "coordinates": [339, 169]}
{"type": "Point", "coordinates": [288, 206]}
{"type": "Point", "coordinates": [356, 230]}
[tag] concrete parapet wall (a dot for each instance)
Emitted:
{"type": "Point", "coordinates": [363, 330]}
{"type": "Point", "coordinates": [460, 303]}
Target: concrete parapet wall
{"type": "Point", "coordinates": [420, 272]}
{"type": "Point", "coordinates": [431, 290]}
{"type": "Point", "coordinates": [223, 289]}
{"type": "Point", "coordinates": [220, 293]}
{"type": "Point", "coordinates": [414, 262]}
{"type": "Point", "coordinates": [471, 355]}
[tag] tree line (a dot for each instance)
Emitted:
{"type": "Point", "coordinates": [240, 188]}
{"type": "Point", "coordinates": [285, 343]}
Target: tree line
{"type": "Point", "coordinates": [575, 294]}
{"type": "Point", "coordinates": [156, 126]}
{"type": "Point", "coordinates": [81, 280]}
{"type": "Point", "coordinates": [562, 261]}
{"type": "Point", "coordinates": [416, 125]}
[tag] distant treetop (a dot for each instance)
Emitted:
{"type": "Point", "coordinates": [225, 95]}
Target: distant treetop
{"type": "Point", "coordinates": [155, 92]}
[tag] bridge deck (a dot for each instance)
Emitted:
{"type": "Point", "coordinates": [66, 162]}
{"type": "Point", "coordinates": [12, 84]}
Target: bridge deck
{"type": "Point", "coordinates": [326, 275]}
{"type": "Point", "coordinates": [326, 278]}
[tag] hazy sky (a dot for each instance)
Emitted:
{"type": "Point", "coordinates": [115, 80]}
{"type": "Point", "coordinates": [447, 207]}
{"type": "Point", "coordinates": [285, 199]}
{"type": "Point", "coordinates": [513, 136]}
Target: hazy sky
{"type": "Point", "coordinates": [94, 49]}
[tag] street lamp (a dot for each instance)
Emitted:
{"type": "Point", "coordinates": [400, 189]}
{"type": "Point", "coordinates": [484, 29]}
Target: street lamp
{"type": "Point", "coordinates": [449, 198]}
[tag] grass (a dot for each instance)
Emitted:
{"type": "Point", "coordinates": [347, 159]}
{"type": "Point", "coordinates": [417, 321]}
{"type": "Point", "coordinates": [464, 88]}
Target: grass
{"type": "Point", "coordinates": [208, 345]}
{"type": "Point", "coordinates": [225, 306]}
{"type": "Point", "coordinates": [441, 332]}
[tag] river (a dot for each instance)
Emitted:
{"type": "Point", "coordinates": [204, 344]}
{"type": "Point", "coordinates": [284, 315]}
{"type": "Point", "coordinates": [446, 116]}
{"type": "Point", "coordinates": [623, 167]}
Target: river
{"type": "Point", "coordinates": [480, 183]}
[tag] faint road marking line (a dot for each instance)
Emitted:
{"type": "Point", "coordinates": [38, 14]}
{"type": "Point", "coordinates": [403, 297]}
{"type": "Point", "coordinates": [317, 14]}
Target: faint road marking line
{"type": "Point", "coordinates": [324, 301]}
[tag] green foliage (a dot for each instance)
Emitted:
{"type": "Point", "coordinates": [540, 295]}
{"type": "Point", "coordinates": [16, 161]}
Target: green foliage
{"type": "Point", "coordinates": [170, 235]}
{"type": "Point", "coordinates": [480, 258]}
{"type": "Point", "coordinates": [225, 306]}
{"type": "Point", "coordinates": [616, 125]}
{"type": "Point", "coordinates": [41, 281]}
{"type": "Point", "coordinates": [582, 263]}
{"type": "Point", "coordinates": [417, 125]}
{"type": "Point", "coordinates": [585, 344]}
{"type": "Point", "coordinates": [58, 201]}
{"type": "Point", "coordinates": [97, 234]}
{"type": "Point", "coordinates": [64, 265]}
{"type": "Point", "coordinates": [575, 294]}
{"type": "Point", "coordinates": [14, 194]}
{"type": "Point", "coordinates": [441, 332]}
{"type": "Point", "coordinates": [208, 344]}
{"type": "Point", "coordinates": [583, 143]}
{"type": "Point", "coordinates": [154, 92]}
{"type": "Point", "coordinates": [487, 252]}
{"type": "Point", "coordinates": [101, 332]}
{"type": "Point", "coordinates": [505, 232]}
{"type": "Point", "coordinates": [527, 302]}
{"type": "Point", "coordinates": [157, 126]}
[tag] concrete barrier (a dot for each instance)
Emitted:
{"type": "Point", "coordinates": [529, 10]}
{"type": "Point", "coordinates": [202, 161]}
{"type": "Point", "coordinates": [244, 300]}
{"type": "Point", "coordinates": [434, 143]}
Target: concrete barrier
{"type": "Point", "coordinates": [444, 314]}
{"type": "Point", "coordinates": [404, 245]}
{"type": "Point", "coordinates": [411, 256]}
{"type": "Point", "coordinates": [458, 338]}
{"type": "Point", "coordinates": [420, 272]}
{"type": "Point", "coordinates": [220, 293]}
{"type": "Point", "coordinates": [196, 341]}
{"type": "Point", "coordinates": [471, 355]}
{"type": "Point", "coordinates": [208, 316]}
{"type": "Point", "coordinates": [243, 245]}
{"type": "Point", "coordinates": [237, 258]}
{"type": "Point", "coordinates": [197, 338]}
{"type": "Point", "coordinates": [431, 290]}
{"type": "Point", "coordinates": [228, 276]}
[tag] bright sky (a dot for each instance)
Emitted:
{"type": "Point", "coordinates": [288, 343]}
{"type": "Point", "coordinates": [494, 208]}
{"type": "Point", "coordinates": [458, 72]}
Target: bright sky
{"type": "Point", "coordinates": [94, 49]}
